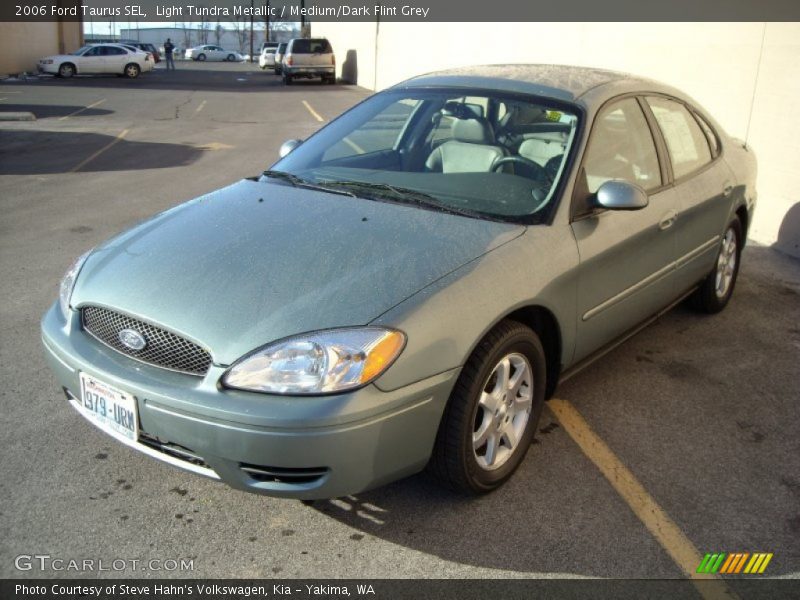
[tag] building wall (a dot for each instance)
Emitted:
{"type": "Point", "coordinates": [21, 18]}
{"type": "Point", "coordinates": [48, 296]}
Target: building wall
{"type": "Point", "coordinates": [746, 74]}
{"type": "Point", "coordinates": [23, 44]}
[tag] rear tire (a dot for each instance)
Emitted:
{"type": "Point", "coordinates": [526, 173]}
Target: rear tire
{"type": "Point", "coordinates": [493, 411]}
{"type": "Point", "coordinates": [716, 290]}
{"type": "Point", "coordinates": [132, 70]}
{"type": "Point", "coordinates": [201, 57]}
{"type": "Point", "coordinates": [66, 70]}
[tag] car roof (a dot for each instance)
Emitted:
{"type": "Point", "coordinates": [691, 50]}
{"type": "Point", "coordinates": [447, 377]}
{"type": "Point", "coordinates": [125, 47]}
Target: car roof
{"type": "Point", "coordinates": [125, 45]}
{"type": "Point", "coordinates": [557, 81]}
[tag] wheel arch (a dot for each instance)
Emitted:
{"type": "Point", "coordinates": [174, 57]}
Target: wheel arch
{"type": "Point", "coordinates": [744, 218]}
{"type": "Point", "coordinates": [545, 324]}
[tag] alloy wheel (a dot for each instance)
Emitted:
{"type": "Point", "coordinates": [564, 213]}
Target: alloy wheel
{"type": "Point", "coordinates": [504, 408]}
{"type": "Point", "coordinates": [726, 263]}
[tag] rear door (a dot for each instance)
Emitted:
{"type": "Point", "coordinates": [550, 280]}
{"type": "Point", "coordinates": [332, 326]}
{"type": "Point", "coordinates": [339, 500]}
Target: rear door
{"type": "Point", "coordinates": [626, 270]}
{"type": "Point", "coordinates": [116, 58]}
{"type": "Point", "coordinates": [703, 184]}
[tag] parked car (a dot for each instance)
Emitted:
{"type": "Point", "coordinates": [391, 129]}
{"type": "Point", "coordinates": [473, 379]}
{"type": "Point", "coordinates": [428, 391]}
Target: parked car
{"type": "Point", "coordinates": [408, 285]}
{"type": "Point", "coordinates": [98, 58]}
{"type": "Point", "coordinates": [212, 52]}
{"type": "Point", "coordinates": [268, 46]}
{"type": "Point", "coordinates": [279, 58]}
{"type": "Point", "coordinates": [266, 60]}
{"type": "Point", "coordinates": [144, 47]}
{"type": "Point", "coordinates": [307, 58]}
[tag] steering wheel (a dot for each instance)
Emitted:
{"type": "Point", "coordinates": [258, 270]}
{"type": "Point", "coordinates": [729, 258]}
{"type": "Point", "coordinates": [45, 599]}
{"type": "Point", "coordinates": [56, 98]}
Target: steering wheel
{"type": "Point", "coordinates": [538, 171]}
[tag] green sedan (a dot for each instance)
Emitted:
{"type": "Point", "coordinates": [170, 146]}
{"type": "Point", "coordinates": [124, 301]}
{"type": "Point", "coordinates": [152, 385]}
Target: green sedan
{"type": "Point", "coordinates": [405, 288]}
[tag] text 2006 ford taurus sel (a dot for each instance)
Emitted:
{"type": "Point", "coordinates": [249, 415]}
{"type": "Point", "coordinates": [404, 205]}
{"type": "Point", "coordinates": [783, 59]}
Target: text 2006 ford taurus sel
{"type": "Point", "coordinates": [407, 286]}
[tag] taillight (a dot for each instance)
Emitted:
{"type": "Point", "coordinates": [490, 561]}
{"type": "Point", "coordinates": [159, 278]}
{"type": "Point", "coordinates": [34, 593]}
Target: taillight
{"type": "Point", "coordinates": [289, 60]}
{"type": "Point", "coordinates": [333, 59]}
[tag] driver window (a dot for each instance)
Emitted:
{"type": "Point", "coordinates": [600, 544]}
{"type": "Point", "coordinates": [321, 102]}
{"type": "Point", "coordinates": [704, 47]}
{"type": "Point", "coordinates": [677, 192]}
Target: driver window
{"type": "Point", "coordinates": [622, 147]}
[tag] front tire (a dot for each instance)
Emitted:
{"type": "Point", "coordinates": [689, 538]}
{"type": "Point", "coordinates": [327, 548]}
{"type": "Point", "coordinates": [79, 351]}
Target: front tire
{"type": "Point", "coordinates": [716, 290]}
{"type": "Point", "coordinates": [287, 79]}
{"type": "Point", "coordinates": [493, 411]}
{"type": "Point", "coordinates": [231, 58]}
{"type": "Point", "coordinates": [66, 70]}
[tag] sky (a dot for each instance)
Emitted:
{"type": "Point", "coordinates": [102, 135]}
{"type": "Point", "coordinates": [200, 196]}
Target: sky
{"type": "Point", "coordinates": [104, 27]}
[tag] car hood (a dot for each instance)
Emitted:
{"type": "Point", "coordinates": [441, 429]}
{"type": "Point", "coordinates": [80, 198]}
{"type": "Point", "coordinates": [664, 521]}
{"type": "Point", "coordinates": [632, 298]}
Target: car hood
{"type": "Point", "coordinates": [256, 262]}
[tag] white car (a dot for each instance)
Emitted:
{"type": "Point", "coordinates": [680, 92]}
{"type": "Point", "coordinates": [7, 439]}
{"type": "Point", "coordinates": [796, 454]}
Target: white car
{"type": "Point", "coordinates": [266, 59]}
{"type": "Point", "coordinates": [212, 52]}
{"type": "Point", "coordinates": [99, 58]}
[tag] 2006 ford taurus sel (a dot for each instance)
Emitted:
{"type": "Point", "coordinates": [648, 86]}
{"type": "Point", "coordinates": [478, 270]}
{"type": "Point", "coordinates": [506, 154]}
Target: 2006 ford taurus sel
{"type": "Point", "coordinates": [405, 287]}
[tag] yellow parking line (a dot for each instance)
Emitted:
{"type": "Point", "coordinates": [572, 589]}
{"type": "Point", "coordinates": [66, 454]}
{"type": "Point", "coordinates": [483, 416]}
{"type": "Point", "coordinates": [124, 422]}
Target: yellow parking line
{"type": "Point", "coordinates": [122, 134]}
{"type": "Point", "coordinates": [314, 113]}
{"type": "Point", "coordinates": [353, 145]}
{"type": "Point", "coordinates": [199, 108]}
{"type": "Point", "coordinates": [644, 506]}
{"type": "Point", "coordinates": [98, 103]}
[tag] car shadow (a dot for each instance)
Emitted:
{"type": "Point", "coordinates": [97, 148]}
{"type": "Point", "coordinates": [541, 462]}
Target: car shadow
{"type": "Point", "coordinates": [46, 111]}
{"type": "Point", "coordinates": [536, 523]}
{"type": "Point", "coordinates": [230, 77]}
{"type": "Point", "coordinates": [25, 152]}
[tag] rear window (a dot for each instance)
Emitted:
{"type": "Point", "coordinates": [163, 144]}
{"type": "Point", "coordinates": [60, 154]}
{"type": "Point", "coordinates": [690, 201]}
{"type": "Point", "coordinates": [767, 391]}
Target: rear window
{"type": "Point", "coordinates": [310, 46]}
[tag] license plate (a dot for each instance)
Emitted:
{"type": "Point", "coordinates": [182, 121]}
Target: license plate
{"type": "Point", "coordinates": [112, 410]}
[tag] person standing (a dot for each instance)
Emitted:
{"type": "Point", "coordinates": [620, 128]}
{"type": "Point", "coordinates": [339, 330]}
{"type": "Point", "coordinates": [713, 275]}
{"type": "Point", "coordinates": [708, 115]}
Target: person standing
{"type": "Point", "coordinates": [169, 48]}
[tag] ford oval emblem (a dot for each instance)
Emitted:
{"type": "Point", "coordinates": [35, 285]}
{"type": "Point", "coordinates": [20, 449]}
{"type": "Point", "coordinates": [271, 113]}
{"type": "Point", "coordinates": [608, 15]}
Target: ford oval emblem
{"type": "Point", "coordinates": [132, 339]}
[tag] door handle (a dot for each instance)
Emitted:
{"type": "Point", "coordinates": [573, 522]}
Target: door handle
{"type": "Point", "coordinates": [668, 220]}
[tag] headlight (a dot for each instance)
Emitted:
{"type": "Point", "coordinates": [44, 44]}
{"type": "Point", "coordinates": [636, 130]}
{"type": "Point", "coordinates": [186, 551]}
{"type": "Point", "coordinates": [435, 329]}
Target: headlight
{"type": "Point", "coordinates": [318, 363]}
{"type": "Point", "coordinates": [68, 282]}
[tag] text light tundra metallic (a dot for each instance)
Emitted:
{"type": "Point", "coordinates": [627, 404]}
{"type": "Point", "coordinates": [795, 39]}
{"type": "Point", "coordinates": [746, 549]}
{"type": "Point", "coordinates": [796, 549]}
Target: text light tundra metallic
{"type": "Point", "coordinates": [407, 286]}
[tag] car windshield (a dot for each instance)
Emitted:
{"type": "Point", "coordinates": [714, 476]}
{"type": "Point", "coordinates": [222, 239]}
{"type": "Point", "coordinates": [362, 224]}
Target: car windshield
{"type": "Point", "coordinates": [483, 153]}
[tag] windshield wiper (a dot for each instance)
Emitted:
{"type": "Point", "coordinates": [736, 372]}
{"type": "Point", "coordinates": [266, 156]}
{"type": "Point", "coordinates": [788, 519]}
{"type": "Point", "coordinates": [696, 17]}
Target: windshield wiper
{"type": "Point", "coordinates": [299, 182]}
{"type": "Point", "coordinates": [401, 194]}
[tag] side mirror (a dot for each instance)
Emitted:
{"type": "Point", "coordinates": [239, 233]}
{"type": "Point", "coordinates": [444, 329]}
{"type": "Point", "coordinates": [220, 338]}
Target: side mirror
{"type": "Point", "coordinates": [288, 146]}
{"type": "Point", "coordinates": [620, 195]}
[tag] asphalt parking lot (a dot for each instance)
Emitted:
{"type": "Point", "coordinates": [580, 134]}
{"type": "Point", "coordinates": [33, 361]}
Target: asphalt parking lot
{"type": "Point", "coordinates": [684, 440]}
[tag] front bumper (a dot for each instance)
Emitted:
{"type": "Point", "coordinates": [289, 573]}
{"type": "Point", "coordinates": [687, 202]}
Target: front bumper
{"type": "Point", "coordinates": [295, 447]}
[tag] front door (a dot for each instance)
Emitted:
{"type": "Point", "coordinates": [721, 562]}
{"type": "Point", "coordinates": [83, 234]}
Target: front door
{"type": "Point", "coordinates": [626, 257]}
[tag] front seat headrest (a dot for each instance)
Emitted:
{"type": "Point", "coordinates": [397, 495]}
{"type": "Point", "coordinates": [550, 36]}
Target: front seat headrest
{"type": "Point", "coordinates": [474, 131]}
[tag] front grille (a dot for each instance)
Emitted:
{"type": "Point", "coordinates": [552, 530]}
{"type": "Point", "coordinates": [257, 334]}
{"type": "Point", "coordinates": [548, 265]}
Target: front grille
{"type": "Point", "coordinates": [162, 348]}
{"type": "Point", "coordinates": [284, 475]}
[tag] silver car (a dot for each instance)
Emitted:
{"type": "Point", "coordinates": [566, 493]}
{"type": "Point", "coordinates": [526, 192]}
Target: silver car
{"type": "Point", "coordinates": [307, 58]}
{"type": "Point", "coordinates": [405, 288]}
